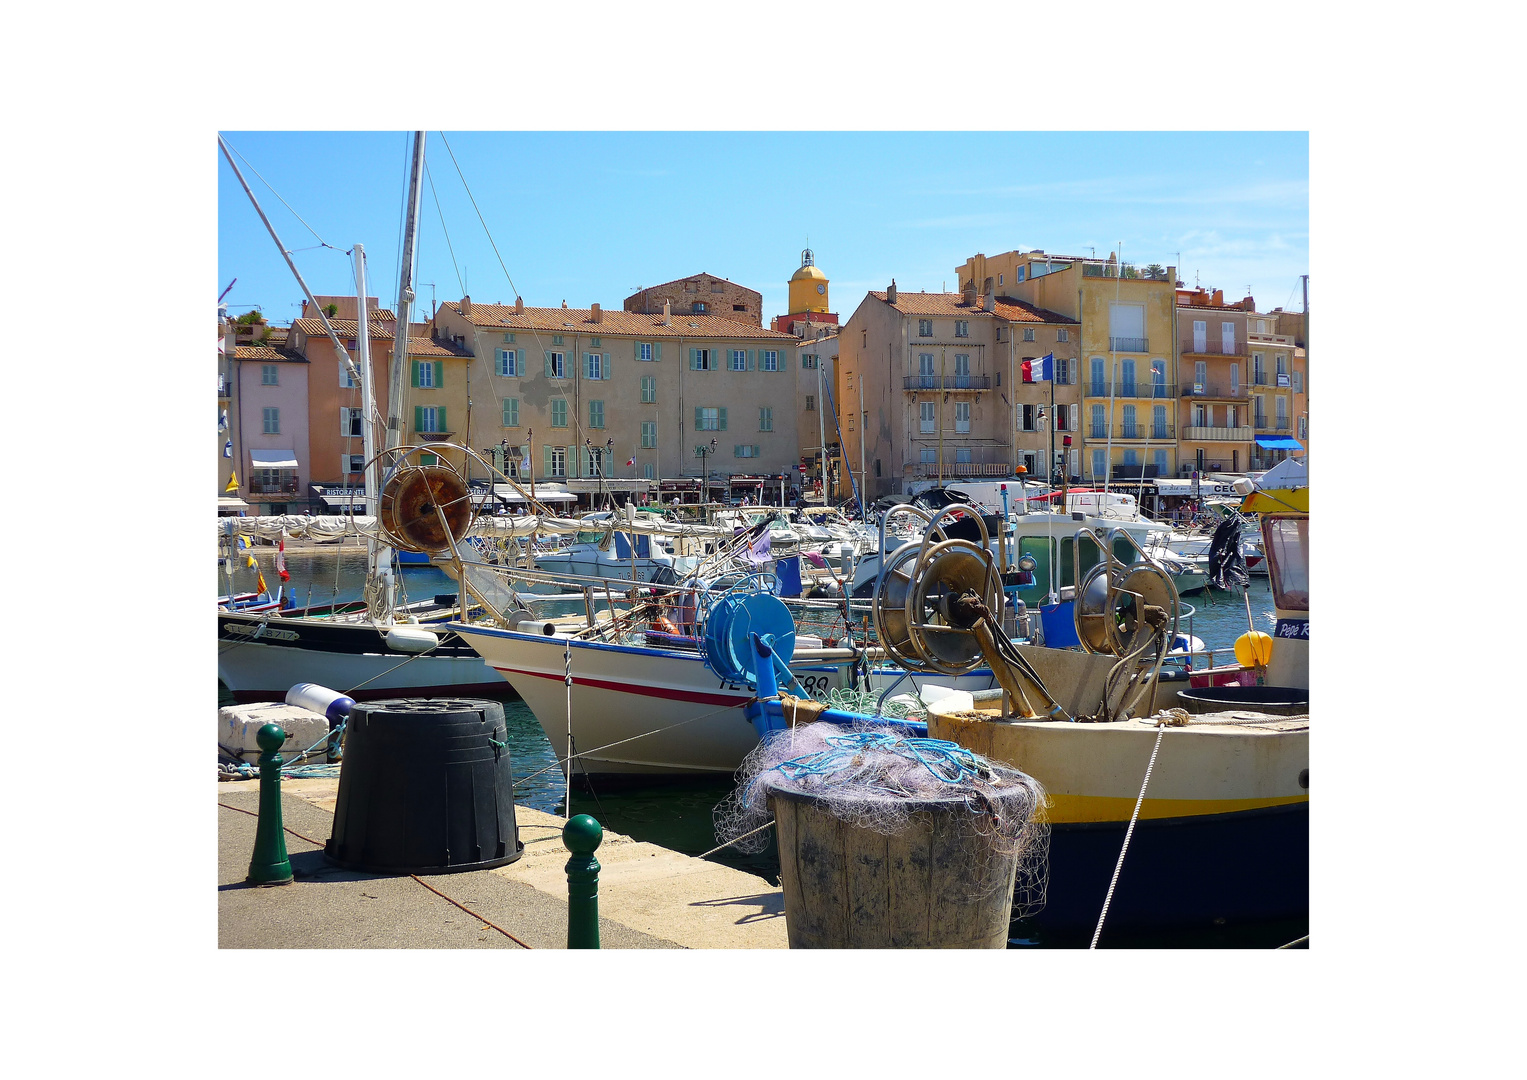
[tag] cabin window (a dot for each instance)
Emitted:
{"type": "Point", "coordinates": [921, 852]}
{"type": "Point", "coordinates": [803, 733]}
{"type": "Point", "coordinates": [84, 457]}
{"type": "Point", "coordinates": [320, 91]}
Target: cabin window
{"type": "Point", "coordinates": [1288, 561]}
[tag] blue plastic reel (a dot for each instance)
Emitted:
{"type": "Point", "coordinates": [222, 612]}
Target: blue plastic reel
{"type": "Point", "coordinates": [731, 619]}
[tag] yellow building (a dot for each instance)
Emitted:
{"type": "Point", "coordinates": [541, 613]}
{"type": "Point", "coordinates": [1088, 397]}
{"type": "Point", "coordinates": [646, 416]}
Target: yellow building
{"type": "Point", "coordinates": [1128, 351]}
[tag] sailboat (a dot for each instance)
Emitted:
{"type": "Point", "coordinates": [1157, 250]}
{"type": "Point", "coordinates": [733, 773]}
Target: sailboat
{"type": "Point", "coordinates": [374, 648]}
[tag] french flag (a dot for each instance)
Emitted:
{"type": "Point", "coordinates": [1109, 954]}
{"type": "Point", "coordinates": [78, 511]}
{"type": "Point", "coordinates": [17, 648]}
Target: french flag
{"type": "Point", "coordinates": [1041, 370]}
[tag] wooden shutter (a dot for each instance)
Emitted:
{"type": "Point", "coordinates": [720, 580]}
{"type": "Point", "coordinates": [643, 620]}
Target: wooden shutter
{"type": "Point", "coordinates": [636, 350]}
{"type": "Point", "coordinates": [418, 415]}
{"type": "Point", "coordinates": [699, 419]}
{"type": "Point", "coordinates": [606, 367]}
{"type": "Point", "coordinates": [440, 424]}
{"type": "Point", "coordinates": [344, 421]}
{"type": "Point", "coordinates": [547, 355]}
{"type": "Point", "coordinates": [413, 371]}
{"type": "Point", "coordinates": [751, 365]}
{"type": "Point", "coordinates": [546, 461]}
{"type": "Point", "coordinates": [694, 359]}
{"type": "Point", "coordinates": [657, 350]}
{"type": "Point", "coordinates": [721, 423]}
{"type": "Point", "coordinates": [439, 375]}
{"type": "Point", "coordinates": [755, 450]}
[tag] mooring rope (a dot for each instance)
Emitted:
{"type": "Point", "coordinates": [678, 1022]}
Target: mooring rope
{"type": "Point", "coordinates": [1129, 832]}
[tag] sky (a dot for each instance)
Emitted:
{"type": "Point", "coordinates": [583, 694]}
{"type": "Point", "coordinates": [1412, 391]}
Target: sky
{"type": "Point", "coordinates": [590, 217]}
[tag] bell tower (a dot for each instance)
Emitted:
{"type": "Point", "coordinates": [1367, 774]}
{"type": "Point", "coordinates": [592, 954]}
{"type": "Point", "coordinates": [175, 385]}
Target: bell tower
{"type": "Point", "coordinates": [808, 288]}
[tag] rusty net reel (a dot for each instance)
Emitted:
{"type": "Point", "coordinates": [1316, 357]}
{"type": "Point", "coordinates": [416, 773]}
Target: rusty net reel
{"type": "Point", "coordinates": [424, 508]}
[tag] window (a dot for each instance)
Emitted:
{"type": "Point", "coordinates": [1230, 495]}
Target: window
{"type": "Point", "coordinates": [1258, 375]}
{"type": "Point", "coordinates": [1028, 333]}
{"type": "Point", "coordinates": [594, 343]}
{"type": "Point", "coordinates": [1200, 416]}
{"type": "Point", "coordinates": [429, 419]}
{"type": "Point", "coordinates": [962, 417]}
{"type": "Point", "coordinates": [1025, 416]}
{"type": "Point", "coordinates": [739, 360]}
{"type": "Point", "coordinates": [508, 362]}
{"type": "Point", "coordinates": [1227, 337]}
{"type": "Point", "coordinates": [1099, 385]}
{"type": "Point", "coordinates": [559, 413]}
{"type": "Point", "coordinates": [508, 339]}
{"type": "Point", "coordinates": [647, 472]}
{"type": "Point", "coordinates": [962, 455]}
{"type": "Point", "coordinates": [1063, 335]}
{"type": "Point", "coordinates": [554, 367]}
{"type": "Point", "coordinates": [745, 450]}
{"type": "Point", "coordinates": [1281, 403]}
{"type": "Point", "coordinates": [1127, 378]}
{"type": "Point", "coordinates": [1130, 431]}
{"type": "Point", "coordinates": [1259, 411]}
{"type": "Point", "coordinates": [556, 339]}
{"type": "Point", "coordinates": [644, 350]}
{"type": "Point", "coordinates": [927, 417]}
{"type": "Point", "coordinates": [649, 434]}
{"type": "Point", "coordinates": [350, 421]}
{"type": "Point", "coordinates": [511, 412]}
{"type": "Point", "coordinates": [1282, 361]}
{"type": "Point", "coordinates": [710, 419]}
{"type": "Point", "coordinates": [1159, 459]}
{"type": "Point", "coordinates": [1126, 327]}
{"type": "Point", "coordinates": [1232, 415]}
{"type": "Point", "coordinates": [1158, 422]}
{"type": "Point", "coordinates": [593, 366]}
{"type": "Point", "coordinates": [272, 421]}
{"type": "Point", "coordinates": [1099, 428]}
{"type": "Point", "coordinates": [352, 463]}
{"type": "Point", "coordinates": [556, 460]}
{"type": "Point", "coordinates": [1298, 382]}
{"type": "Point", "coordinates": [1064, 372]}
{"type": "Point", "coordinates": [924, 327]}
{"type": "Point", "coordinates": [1200, 375]}
{"type": "Point", "coordinates": [596, 414]}
{"type": "Point", "coordinates": [1158, 378]}
{"type": "Point", "coordinates": [769, 360]}
{"type": "Point", "coordinates": [999, 279]}
{"type": "Point", "coordinates": [424, 374]}
{"type": "Point", "coordinates": [1099, 463]}
{"type": "Point", "coordinates": [961, 328]}
{"type": "Point", "coordinates": [346, 380]}
{"type": "Point", "coordinates": [961, 369]}
{"type": "Point", "coordinates": [1304, 427]}
{"type": "Point", "coordinates": [700, 307]}
{"type": "Point", "coordinates": [811, 403]}
{"type": "Point", "coordinates": [765, 418]}
{"type": "Point", "coordinates": [1235, 378]}
{"type": "Point", "coordinates": [702, 359]}
{"type": "Point", "coordinates": [649, 389]}
{"type": "Point", "coordinates": [1131, 457]}
{"type": "Point", "coordinates": [268, 375]}
{"type": "Point", "coordinates": [925, 365]}
{"type": "Point", "coordinates": [928, 457]}
{"type": "Point", "coordinates": [809, 361]}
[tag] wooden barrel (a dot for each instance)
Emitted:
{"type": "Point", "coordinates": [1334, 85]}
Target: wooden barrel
{"type": "Point", "coordinates": [937, 884]}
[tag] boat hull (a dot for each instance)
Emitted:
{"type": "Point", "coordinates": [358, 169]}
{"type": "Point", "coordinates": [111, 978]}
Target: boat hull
{"type": "Point", "coordinates": [648, 711]}
{"type": "Point", "coordinates": [352, 658]}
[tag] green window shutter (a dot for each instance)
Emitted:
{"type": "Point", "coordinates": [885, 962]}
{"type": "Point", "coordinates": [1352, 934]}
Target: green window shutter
{"type": "Point", "coordinates": [439, 373]}
{"type": "Point", "coordinates": [755, 449]}
{"type": "Point", "coordinates": [413, 369]}
{"type": "Point", "coordinates": [418, 415]}
{"type": "Point", "coordinates": [636, 350]}
{"type": "Point", "coordinates": [548, 364]}
{"type": "Point", "coordinates": [657, 351]}
{"type": "Point", "coordinates": [607, 365]}
{"type": "Point", "coordinates": [752, 359]}
{"type": "Point", "coordinates": [440, 423]}
{"type": "Point", "coordinates": [699, 419]}
{"type": "Point", "coordinates": [694, 359]}
{"type": "Point", "coordinates": [508, 411]}
{"type": "Point", "coordinates": [546, 461]}
{"type": "Point", "coordinates": [722, 424]}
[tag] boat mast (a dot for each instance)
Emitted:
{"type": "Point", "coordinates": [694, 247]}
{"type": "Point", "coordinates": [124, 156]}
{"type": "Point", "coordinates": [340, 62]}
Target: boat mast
{"type": "Point", "coordinates": [822, 427]}
{"type": "Point", "coordinates": [378, 554]}
{"type": "Point", "coordinates": [405, 297]}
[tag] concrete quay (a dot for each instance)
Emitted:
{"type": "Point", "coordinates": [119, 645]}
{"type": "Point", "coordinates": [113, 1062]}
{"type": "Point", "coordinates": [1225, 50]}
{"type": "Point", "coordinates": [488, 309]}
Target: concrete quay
{"type": "Point", "coordinates": [649, 897]}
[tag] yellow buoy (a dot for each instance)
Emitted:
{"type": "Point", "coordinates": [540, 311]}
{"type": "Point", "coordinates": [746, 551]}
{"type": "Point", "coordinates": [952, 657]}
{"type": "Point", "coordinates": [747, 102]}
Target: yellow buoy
{"type": "Point", "coordinates": [1253, 649]}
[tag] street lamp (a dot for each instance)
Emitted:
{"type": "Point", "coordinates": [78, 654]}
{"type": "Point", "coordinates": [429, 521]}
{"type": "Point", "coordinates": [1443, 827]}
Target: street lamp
{"type": "Point", "coordinates": [705, 452]}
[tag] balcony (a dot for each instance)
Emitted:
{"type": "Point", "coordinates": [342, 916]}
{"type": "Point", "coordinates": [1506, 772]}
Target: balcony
{"type": "Point", "coordinates": [960, 470]}
{"type": "Point", "coordinates": [1221, 391]}
{"type": "Point", "coordinates": [1214, 348]}
{"type": "Point", "coordinates": [1138, 432]}
{"type": "Point", "coordinates": [1129, 271]}
{"type": "Point", "coordinates": [1129, 344]}
{"type": "Point", "coordinates": [1136, 389]}
{"type": "Point", "coordinates": [274, 487]}
{"type": "Point", "coordinates": [1196, 433]}
{"type": "Point", "coordinates": [1266, 423]}
{"type": "Point", "coordinates": [946, 382]}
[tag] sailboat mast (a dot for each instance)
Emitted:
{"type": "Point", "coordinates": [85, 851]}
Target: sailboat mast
{"type": "Point", "coordinates": [405, 296]}
{"type": "Point", "coordinates": [368, 394]}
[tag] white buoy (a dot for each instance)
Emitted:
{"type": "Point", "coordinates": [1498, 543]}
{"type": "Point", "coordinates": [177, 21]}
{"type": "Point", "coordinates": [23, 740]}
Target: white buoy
{"type": "Point", "coordinates": [411, 639]}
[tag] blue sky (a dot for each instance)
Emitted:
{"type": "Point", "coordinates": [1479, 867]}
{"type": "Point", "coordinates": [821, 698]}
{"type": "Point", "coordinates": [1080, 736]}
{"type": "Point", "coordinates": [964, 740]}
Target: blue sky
{"type": "Point", "coordinates": [589, 217]}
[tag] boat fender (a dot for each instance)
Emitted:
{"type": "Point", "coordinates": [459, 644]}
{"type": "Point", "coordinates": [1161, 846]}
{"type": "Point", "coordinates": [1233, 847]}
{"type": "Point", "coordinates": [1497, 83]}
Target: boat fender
{"type": "Point", "coordinates": [1253, 649]}
{"type": "Point", "coordinates": [321, 700]}
{"type": "Point", "coordinates": [411, 640]}
{"type": "Point", "coordinates": [664, 626]}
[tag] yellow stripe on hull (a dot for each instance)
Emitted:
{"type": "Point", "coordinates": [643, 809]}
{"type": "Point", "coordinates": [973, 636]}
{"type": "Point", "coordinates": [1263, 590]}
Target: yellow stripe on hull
{"type": "Point", "coordinates": [1080, 809]}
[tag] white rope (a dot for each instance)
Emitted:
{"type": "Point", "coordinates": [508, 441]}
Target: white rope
{"type": "Point", "coordinates": [1160, 731]}
{"type": "Point", "coordinates": [567, 677]}
{"type": "Point", "coordinates": [755, 832]}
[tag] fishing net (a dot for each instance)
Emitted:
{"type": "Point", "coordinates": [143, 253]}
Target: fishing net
{"type": "Point", "coordinates": [871, 779]}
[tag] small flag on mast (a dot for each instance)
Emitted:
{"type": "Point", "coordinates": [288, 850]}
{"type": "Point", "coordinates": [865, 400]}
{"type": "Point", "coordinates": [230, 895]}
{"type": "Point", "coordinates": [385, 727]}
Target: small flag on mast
{"type": "Point", "coordinates": [233, 481]}
{"type": "Point", "coordinates": [631, 461]}
{"type": "Point", "coordinates": [1040, 370]}
{"type": "Point", "coordinates": [281, 560]}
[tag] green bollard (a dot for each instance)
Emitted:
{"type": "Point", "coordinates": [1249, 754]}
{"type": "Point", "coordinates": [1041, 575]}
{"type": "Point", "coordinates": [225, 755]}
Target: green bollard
{"type": "Point", "coordinates": [582, 835]}
{"type": "Point", "coordinates": [269, 864]}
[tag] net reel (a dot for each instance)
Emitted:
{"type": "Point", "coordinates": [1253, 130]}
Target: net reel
{"type": "Point", "coordinates": [1113, 599]}
{"type": "Point", "coordinates": [921, 600]}
{"type": "Point", "coordinates": [424, 508]}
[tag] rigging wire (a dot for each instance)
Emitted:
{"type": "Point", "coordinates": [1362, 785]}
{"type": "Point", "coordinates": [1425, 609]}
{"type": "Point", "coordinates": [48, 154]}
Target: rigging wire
{"type": "Point", "coordinates": [443, 229]}
{"type": "Point", "coordinates": [321, 241]}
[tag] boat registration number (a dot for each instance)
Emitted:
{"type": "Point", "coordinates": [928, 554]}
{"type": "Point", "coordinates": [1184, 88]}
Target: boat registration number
{"type": "Point", "coordinates": [261, 632]}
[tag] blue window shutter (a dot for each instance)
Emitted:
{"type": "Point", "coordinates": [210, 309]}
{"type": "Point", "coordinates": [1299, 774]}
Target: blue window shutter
{"type": "Point", "coordinates": [413, 370]}
{"type": "Point", "coordinates": [439, 373]}
{"type": "Point", "coordinates": [722, 422]}
{"type": "Point", "coordinates": [699, 419]}
{"type": "Point", "coordinates": [755, 450]}
{"type": "Point", "coordinates": [418, 415]}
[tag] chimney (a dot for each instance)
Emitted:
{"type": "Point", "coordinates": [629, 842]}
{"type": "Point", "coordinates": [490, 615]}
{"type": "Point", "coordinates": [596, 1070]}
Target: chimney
{"type": "Point", "coordinates": [1218, 298]}
{"type": "Point", "coordinates": [564, 305]}
{"type": "Point", "coordinates": [595, 315]}
{"type": "Point", "coordinates": [968, 291]}
{"type": "Point", "coordinates": [667, 313]}
{"type": "Point", "coordinates": [991, 302]}
{"type": "Point", "coordinates": [890, 294]}
{"type": "Point", "coordinates": [519, 305]}
{"type": "Point", "coordinates": [466, 305]}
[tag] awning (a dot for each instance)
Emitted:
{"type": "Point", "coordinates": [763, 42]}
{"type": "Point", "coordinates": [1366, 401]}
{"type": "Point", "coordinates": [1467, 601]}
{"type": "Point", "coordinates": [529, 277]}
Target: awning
{"type": "Point", "coordinates": [507, 491]}
{"type": "Point", "coordinates": [338, 500]}
{"type": "Point", "coordinates": [273, 459]}
{"type": "Point", "coordinates": [1278, 442]}
{"type": "Point", "coordinates": [228, 502]}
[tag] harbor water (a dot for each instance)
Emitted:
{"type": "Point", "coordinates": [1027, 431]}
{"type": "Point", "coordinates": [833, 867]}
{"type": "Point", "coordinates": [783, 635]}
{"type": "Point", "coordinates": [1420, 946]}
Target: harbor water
{"type": "Point", "coordinates": [677, 815]}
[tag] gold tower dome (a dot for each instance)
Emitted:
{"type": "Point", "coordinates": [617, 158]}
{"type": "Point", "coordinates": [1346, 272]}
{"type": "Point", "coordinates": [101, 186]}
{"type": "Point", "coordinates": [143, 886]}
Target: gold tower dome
{"type": "Point", "coordinates": [808, 287]}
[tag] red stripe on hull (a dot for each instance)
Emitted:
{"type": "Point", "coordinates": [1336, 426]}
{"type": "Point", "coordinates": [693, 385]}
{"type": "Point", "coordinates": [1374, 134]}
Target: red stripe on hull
{"type": "Point", "coordinates": [643, 691]}
{"type": "Point", "coordinates": [495, 690]}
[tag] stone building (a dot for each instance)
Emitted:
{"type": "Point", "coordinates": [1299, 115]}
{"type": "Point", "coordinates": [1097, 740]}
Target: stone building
{"type": "Point", "coordinates": [701, 294]}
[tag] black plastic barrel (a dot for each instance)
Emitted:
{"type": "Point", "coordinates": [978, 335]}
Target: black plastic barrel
{"type": "Point", "coordinates": [425, 788]}
{"type": "Point", "coordinates": [1277, 700]}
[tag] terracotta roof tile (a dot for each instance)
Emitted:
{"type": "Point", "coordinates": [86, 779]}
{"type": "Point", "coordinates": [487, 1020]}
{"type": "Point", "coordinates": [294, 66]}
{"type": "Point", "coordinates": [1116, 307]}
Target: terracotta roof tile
{"type": "Point", "coordinates": [266, 352]}
{"type": "Point", "coordinates": [347, 328]}
{"type": "Point", "coordinates": [422, 346]}
{"type": "Point", "coordinates": [953, 305]}
{"type": "Point", "coordinates": [615, 323]}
